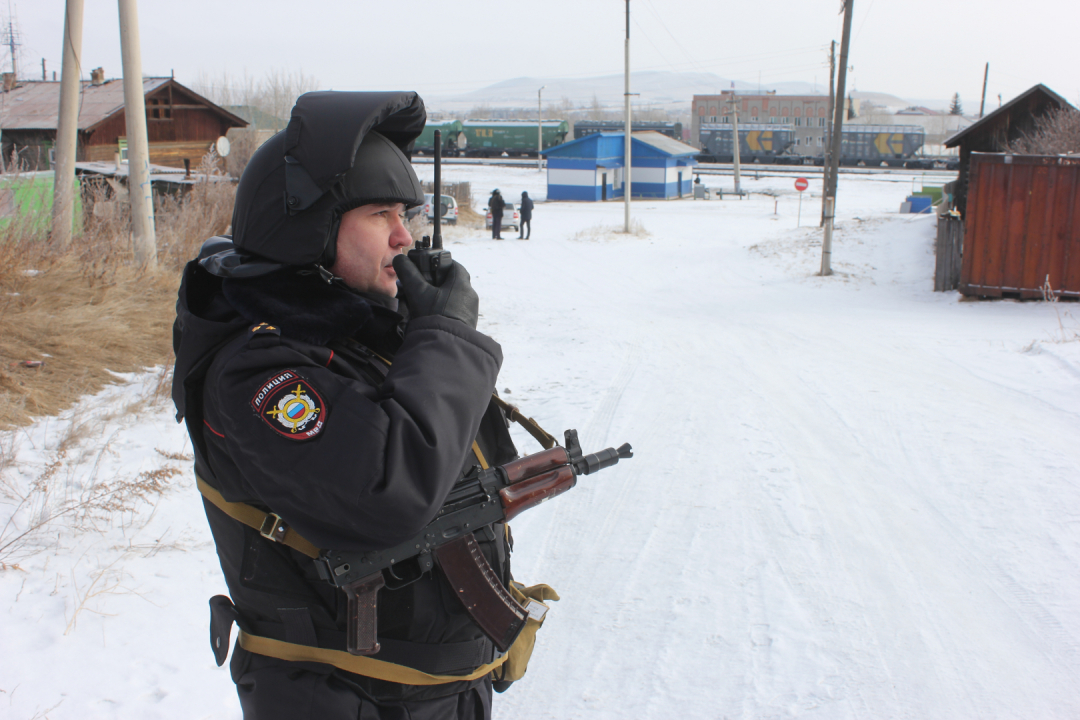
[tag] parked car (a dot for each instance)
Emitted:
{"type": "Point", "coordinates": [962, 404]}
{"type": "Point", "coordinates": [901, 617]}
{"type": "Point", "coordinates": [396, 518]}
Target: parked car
{"type": "Point", "coordinates": [511, 218]}
{"type": "Point", "coordinates": [450, 209]}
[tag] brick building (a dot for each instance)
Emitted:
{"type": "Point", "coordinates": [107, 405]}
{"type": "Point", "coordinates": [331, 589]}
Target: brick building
{"type": "Point", "coordinates": [807, 115]}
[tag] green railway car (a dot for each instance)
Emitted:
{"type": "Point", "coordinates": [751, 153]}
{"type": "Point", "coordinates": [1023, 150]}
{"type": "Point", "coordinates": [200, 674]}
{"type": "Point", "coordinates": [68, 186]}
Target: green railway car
{"type": "Point", "coordinates": [453, 138]}
{"type": "Point", "coordinates": [491, 138]}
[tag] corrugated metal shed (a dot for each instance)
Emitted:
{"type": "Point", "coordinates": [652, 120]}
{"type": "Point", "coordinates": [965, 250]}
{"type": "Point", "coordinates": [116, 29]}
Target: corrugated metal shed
{"type": "Point", "coordinates": [1023, 226]}
{"type": "Point", "coordinates": [591, 167]}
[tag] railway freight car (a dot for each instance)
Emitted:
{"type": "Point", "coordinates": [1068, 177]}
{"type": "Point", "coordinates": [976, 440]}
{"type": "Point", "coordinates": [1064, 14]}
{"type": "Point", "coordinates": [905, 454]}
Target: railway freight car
{"type": "Point", "coordinates": [870, 145]}
{"type": "Point", "coordinates": [588, 127]}
{"type": "Point", "coordinates": [491, 138]}
{"type": "Point", "coordinates": [453, 138]}
{"type": "Point", "coordinates": [892, 145]}
{"type": "Point", "coordinates": [758, 142]}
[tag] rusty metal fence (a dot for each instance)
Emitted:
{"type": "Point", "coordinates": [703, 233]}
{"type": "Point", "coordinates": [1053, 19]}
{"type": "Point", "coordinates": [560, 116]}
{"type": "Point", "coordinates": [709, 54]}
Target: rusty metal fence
{"type": "Point", "coordinates": [1022, 229]}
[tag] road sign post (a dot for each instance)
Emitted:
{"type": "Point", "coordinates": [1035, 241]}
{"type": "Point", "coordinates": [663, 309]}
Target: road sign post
{"type": "Point", "coordinates": [800, 184]}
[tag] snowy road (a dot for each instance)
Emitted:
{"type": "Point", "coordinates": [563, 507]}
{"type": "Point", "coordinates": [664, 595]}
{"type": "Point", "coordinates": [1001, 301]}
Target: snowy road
{"type": "Point", "coordinates": [850, 497]}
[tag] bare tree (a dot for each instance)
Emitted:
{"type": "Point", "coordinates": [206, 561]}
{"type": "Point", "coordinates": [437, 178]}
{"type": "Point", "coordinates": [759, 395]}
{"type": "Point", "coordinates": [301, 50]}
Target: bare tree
{"type": "Point", "coordinates": [1055, 133]}
{"type": "Point", "coordinates": [273, 95]}
{"type": "Point", "coordinates": [265, 103]}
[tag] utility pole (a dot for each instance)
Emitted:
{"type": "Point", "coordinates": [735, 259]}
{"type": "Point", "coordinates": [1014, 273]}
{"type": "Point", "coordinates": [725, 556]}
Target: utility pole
{"type": "Point", "coordinates": [735, 141]}
{"type": "Point", "coordinates": [838, 126]}
{"type": "Point", "coordinates": [626, 154]}
{"type": "Point", "coordinates": [828, 131]}
{"type": "Point", "coordinates": [139, 190]}
{"type": "Point", "coordinates": [986, 76]}
{"type": "Point", "coordinates": [12, 40]}
{"type": "Point", "coordinates": [539, 131]}
{"type": "Point", "coordinates": [67, 126]}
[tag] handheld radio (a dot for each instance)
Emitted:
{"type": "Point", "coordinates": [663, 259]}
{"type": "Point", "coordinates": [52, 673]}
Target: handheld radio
{"type": "Point", "coordinates": [429, 256]}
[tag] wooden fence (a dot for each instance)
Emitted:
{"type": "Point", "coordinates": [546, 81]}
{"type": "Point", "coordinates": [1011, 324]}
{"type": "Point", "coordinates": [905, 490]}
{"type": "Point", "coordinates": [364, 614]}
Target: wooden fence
{"type": "Point", "coordinates": [460, 191]}
{"type": "Point", "coordinates": [947, 251]}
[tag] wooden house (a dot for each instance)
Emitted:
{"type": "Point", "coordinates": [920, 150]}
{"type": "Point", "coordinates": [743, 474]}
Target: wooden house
{"type": "Point", "coordinates": [996, 129]}
{"type": "Point", "coordinates": [181, 124]}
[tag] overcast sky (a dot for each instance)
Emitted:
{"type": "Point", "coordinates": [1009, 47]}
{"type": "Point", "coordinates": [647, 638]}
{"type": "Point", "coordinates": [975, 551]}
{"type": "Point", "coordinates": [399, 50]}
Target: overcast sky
{"type": "Point", "coordinates": [916, 49]}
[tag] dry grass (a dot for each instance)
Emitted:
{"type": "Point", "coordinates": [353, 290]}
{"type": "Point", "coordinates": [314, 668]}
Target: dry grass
{"type": "Point", "coordinates": [469, 217]}
{"type": "Point", "coordinates": [87, 312]}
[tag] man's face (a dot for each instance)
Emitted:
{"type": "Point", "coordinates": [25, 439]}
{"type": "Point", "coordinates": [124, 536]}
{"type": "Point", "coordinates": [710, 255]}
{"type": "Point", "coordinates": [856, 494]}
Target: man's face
{"type": "Point", "coordinates": [368, 239]}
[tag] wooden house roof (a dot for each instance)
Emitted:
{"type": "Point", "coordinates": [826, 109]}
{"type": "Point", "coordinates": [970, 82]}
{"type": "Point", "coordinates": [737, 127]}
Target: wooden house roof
{"type": "Point", "coordinates": [1002, 122]}
{"type": "Point", "coordinates": [36, 105]}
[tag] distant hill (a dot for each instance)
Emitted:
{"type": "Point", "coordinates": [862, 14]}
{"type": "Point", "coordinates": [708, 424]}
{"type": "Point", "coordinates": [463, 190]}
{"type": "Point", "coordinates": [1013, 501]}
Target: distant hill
{"type": "Point", "coordinates": [660, 89]}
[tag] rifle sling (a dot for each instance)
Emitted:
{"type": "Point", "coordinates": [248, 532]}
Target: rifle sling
{"type": "Point", "coordinates": [530, 425]}
{"type": "Point", "coordinates": [269, 525]}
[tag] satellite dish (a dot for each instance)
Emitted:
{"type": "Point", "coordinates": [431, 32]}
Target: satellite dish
{"type": "Point", "coordinates": [222, 146]}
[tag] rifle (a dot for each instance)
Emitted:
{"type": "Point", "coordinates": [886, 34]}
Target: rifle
{"type": "Point", "coordinates": [481, 498]}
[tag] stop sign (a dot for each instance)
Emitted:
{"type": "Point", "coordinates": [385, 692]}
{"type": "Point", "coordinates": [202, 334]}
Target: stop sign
{"type": "Point", "coordinates": [801, 184]}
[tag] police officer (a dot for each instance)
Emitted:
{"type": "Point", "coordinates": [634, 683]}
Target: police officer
{"type": "Point", "coordinates": [334, 397]}
{"type": "Point", "coordinates": [496, 205]}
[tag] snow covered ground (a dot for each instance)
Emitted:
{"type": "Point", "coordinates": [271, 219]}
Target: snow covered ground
{"type": "Point", "coordinates": [851, 497]}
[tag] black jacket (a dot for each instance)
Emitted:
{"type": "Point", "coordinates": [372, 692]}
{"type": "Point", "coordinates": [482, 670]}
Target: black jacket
{"type": "Point", "coordinates": [366, 462]}
{"type": "Point", "coordinates": [496, 203]}
{"type": "Point", "coordinates": [526, 208]}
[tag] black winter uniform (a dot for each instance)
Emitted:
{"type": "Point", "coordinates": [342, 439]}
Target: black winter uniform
{"type": "Point", "coordinates": [290, 409]}
{"type": "Point", "coordinates": [378, 468]}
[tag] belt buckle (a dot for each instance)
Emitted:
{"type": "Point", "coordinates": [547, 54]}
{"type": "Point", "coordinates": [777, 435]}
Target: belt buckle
{"type": "Point", "coordinates": [273, 527]}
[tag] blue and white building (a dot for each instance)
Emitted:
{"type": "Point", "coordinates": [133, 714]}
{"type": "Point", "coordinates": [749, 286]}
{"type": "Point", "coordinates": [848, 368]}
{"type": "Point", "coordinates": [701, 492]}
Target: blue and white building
{"type": "Point", "coordinates": [592, 167]}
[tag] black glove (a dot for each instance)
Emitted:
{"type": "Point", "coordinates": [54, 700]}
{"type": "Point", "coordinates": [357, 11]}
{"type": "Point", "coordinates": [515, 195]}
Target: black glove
{"type": "Point", "coordinates": [455, 298]}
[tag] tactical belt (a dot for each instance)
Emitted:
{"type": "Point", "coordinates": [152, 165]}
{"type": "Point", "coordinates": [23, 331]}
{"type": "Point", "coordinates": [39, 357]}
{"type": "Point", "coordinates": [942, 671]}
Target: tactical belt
{"type": "Point", "coordinates": [359, 664]}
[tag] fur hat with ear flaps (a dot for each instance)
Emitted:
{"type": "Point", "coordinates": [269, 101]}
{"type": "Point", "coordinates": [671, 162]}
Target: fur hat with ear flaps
{"type": "Point", "coordinates": [339, 151]}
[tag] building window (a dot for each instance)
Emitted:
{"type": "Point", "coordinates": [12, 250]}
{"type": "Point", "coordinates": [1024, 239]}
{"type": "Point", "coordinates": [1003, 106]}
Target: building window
{"type": "Point", "coordinates": [821, 140]}
{"type": "Point", "coordinates": [727, 119]}
{"type": "Point", "coordinates": [712, 119]}
{"type": "Point", "coordinates": [821, 122]}
{"type": "Point", "coordinates": [772, 120]}
{"type": "Point", "coordinates": [798, 122]}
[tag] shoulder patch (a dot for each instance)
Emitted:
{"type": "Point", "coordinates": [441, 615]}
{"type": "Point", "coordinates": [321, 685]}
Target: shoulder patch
{"type": "Point", "coordinates": [263, 329]}
{"type": "Point", "coordinates": [290, 406]}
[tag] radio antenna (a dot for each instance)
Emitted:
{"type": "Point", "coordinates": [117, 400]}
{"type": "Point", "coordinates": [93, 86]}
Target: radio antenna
{"type": "Point", "coordinates": [436, 200]}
